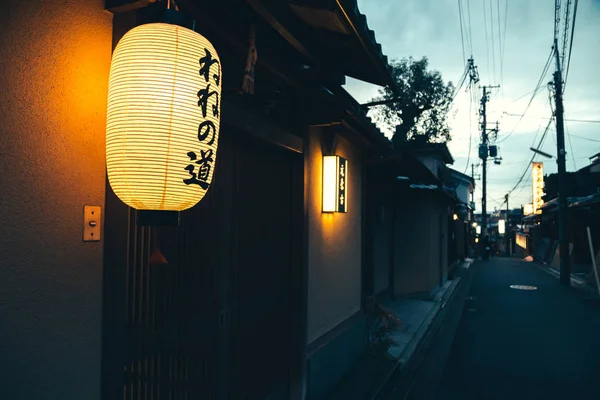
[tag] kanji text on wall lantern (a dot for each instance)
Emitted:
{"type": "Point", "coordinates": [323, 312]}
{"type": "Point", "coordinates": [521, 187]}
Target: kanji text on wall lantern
{"type": "Point", "coordinates": [335, 190]}
{"type": "Point", "coordinates": [163, 117]}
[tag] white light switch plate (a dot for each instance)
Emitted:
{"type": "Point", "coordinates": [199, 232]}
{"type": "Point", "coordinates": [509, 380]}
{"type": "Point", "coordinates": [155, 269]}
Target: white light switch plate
{"type": "Point", "coordinates": [91, 223]}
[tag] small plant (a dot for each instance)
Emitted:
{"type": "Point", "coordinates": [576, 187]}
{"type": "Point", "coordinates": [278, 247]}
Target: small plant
{"type": "Point", "coordinates": [382, 323]}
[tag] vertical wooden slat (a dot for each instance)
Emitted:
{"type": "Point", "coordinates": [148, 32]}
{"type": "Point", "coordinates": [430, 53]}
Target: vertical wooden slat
{"type": "Point", "coordinates": [174, 342]}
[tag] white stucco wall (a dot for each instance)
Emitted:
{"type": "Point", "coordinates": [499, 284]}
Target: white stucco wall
{"type": "Point", "coordinates": [334, 264]}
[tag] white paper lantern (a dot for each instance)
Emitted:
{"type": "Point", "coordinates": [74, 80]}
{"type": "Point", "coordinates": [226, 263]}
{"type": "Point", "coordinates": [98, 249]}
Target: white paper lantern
{"type": "Point", "coordinates": [163, 117]}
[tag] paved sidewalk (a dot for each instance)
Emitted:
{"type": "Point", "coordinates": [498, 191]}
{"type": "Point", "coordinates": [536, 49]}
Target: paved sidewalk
{"type": "Point", "coordinates": [366, 380]}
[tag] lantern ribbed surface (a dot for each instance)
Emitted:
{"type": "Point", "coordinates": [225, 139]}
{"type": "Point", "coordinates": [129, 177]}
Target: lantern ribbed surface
{"type": "Point", "coordinates": [162, 117]}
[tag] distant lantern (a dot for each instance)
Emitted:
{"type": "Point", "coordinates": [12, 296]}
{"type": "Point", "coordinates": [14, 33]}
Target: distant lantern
{"type": "Point", "coordinates": [163, 117]}
{"type": "Point", "coordinates": [335, 185]}
{"type": "Point", "coordinates": [501, 227]}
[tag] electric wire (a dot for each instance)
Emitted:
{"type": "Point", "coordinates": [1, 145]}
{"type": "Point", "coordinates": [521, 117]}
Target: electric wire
{"type": "Point", "coordinates": [487, 47]}
{"type": "Point", "coordinates": [571, 146]}
{"type": "Point", "coordinates": [585, 138]}
{"type": "Point", "coordinates": [565, 34]}
{"type": "Point", "coordinates": [493, 41]}
{"type": "Point", "coordinates": [535, 92]}
{"type": "Point", "coordinates": [470, 30]}
{"type": "Point", "coordinates": [571, 45]}
{"type": "Point", "coordinates": [533, 157]}
{"type": "Point", "coordinates": [500, 53]}
{"type": "Point", "coordinates": [557, 7]}
{"type": "Point", "coordinates": [504, 33]}
{"type": "Point", "coordinates": [462, 38]}
{"type": "Point", "coordinates": [470, 131]}
{"type": "Point", "coordinates": [592, 121]}
{"type": "Point", "coordinates": [460, 85]}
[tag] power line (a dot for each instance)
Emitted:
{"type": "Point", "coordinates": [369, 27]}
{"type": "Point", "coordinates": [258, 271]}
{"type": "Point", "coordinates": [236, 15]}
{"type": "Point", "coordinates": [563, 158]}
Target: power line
{"type": "Point", "coordinates": [556, 18]}
{"type": "Point", "coordinates": [584, 138]}
{"type": "Point", "coordinates": [460, 85]}
{"type": "Point", "coordinates": [487, 48]}
{"type": "Point", "coordinates": [470, 30]}
{"type": "Point", "coordinates": [470, 130]}
{"type": "Point", "coordinates": [565, 33]}
{"type": "Point", "coordinates": [493, 40]}
{"type": "Point", "coordinates": [592, 121]}
{"type": "Point", "coordinates": [571, 45]}
{"type": "Point", "coordinates": [535, 92]}
{"type": "Point", "coordinates": [500, 54]}
{"type": "Point", "coordinates": [519, 98]}
{"type": "Point", "coordinates": [571, 146]}
{"type": "Point", "coordinates": [533, 157]}
{"type": "Point", "coordinates": [536, 134]}
{"type": "Point", "coordinates": [504, 34]}
{"type": "Point", "coordinates": [462, 38]}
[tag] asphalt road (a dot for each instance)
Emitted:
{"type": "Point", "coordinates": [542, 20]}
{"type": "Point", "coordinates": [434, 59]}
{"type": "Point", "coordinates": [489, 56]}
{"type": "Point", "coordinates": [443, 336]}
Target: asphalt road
{"type": "Point", "coordinates": [517, 344]}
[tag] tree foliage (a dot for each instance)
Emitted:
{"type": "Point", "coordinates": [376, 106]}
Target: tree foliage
{"type": "Point", "coordinates": [423, 101]}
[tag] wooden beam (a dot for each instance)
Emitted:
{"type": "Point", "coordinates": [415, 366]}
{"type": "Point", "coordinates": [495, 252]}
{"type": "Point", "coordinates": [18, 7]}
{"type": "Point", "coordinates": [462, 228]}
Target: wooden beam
{"type": "Point", "coordinates": [279, 27]}
{"type": "Point", "coordinates": [119, 6]}
{"type": "Point", "coordinates": [264, 61]}
{"type": "Point", "coordinates": [247, 121]}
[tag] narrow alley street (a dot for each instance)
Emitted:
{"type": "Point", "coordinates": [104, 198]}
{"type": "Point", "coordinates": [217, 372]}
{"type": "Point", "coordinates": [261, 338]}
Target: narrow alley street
{"type": "Point", "coordinates": [512, 343]}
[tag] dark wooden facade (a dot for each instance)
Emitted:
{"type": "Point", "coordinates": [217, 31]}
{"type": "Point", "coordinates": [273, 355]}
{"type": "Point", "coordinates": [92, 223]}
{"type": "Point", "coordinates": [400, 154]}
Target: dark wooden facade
{"type": "Point", "coordinates": [213, 319]}
{"type": "Point", "coordinates": [223, 316]}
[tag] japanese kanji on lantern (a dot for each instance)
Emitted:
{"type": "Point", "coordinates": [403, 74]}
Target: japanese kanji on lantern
{"type": "Point", "coordinates": [335, 190]}
{"type": "Point", "coordinates": [163, 117]}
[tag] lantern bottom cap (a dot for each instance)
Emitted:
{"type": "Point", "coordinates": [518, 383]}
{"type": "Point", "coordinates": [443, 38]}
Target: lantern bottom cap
{"type": "Point", "coordinates": [157, 218]}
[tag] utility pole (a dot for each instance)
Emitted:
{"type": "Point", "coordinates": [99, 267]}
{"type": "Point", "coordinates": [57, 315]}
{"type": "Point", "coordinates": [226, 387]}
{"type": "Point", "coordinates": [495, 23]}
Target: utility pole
{"type": "Point", "coordinates": [483, 154]}
{"type": "Point", "coordinates": [565, 267]}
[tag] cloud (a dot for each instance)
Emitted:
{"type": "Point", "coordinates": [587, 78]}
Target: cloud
{"type": "Point", "coordinates": [431, 28]}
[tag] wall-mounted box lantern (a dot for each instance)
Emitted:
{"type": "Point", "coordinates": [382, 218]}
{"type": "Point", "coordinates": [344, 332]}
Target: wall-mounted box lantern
{"type": "Point", "coordinates": [162, 118]}
{"type": "Point", "coordinates": [335, 184]}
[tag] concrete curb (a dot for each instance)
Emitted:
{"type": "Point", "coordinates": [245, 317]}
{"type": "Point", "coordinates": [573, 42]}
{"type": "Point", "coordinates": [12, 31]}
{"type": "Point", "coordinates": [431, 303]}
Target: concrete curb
{"type": "Point", "coordinates": [417, 339]}
{"type": "Point", "coordinates": [575, 281]}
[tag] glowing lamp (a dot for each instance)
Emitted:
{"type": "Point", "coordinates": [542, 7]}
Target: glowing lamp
{"type": "Point", "coordinates": [501, 227]}
{"type": "Point", "coordinates": [455, 217]}
{"type": "Point", "coordinates": [163, 117]}
{"type": "Point", "coordinates": [335, 176]}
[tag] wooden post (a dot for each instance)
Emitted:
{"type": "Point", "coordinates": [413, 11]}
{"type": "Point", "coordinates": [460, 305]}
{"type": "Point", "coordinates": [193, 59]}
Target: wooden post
{"type": "Point", "coordinates": [589, 234]}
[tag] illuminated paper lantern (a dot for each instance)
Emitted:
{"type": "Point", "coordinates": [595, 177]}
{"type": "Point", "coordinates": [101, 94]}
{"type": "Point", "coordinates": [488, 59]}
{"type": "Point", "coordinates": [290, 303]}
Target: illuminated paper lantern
{"type": "Point", "coordinates": [163, 117]}
{"type": "Point", "coordinates": [501, 227]}
{"type": "Point", "coordinates": [335, 190]}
